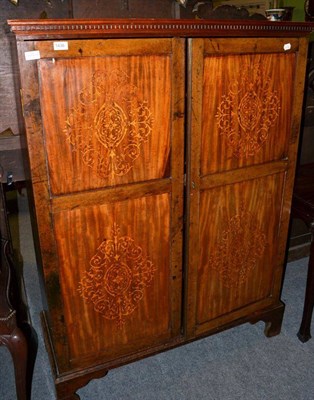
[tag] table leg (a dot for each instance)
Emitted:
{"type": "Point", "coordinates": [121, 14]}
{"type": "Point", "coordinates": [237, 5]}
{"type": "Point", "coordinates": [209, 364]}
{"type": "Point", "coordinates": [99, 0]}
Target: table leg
{"type": "Point", "coordinates": [304, 333]}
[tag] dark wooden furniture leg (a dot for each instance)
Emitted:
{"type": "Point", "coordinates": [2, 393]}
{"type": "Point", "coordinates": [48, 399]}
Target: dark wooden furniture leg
{"type": "Point", "coordinates": [16, 343]}
{"type": "Point", "coordinates": [66, 387]}
{"type": "Point", "coordinates": [303, 208]}
{"type": "Point", "coordinates": [272, 318]}
{"type": "Point", "coordinates": [11, 334]}
{"type": "Point", "coordinates": [304, 333]}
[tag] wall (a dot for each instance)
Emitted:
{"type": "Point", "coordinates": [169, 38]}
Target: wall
{"type": "Point", "coordinates": [123, 9]}
{"type": "Point", "coordinates": [8, 66]}
{"type": "Point", "coordinates": [298, 12]}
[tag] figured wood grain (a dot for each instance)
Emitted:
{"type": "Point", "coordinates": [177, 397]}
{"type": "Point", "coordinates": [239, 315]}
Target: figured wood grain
{"type": "Point", "coordinates": [246, 45]}
{"type": "Point", "coordinates": [107, 132]}
{"type": "Point", "coordinates": [233, 191]}
{"type": "Point", "coordinates": [238, 242]}
{"type": "Point", "coordinates": [145, 309]}
{"type": "Point", "coordinates": [243, 174]}
{"type": "Point", "coordinates": [81, 216]}
{"type": "Point", "coordinates": [123, 192]}
{"type": "Point", "coordinates": [90, 205]}
{"type": "Point", "coordinates": [249, 120]}
{"type": "Point", "coordinates": [101, 48]}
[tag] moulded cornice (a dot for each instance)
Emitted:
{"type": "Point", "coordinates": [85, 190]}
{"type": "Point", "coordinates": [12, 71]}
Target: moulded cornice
{"type": "Point", "coordinates": [30, 29]}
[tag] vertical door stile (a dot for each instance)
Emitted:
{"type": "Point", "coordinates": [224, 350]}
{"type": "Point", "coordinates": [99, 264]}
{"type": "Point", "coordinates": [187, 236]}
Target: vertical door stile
{"type": "Point", "coordinates": [195, 85]}
{"type": "Point", "coordinates": [292, 154]}
{"type": "Point", "coordinates": [47, 259]}
{"type": "Point", "coordinates": [177, 176]}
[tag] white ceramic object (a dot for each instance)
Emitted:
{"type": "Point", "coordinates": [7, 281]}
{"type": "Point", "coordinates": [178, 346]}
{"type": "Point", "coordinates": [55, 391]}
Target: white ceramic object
{"type": "Point", "coordinates": [275, 14]}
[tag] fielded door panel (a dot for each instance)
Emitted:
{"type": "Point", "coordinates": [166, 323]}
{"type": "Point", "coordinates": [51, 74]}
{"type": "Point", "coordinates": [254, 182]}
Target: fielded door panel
{"type": "Point", "coordinates": [105, 134]}
{"type": "Point", "coordinates": [242, 150]}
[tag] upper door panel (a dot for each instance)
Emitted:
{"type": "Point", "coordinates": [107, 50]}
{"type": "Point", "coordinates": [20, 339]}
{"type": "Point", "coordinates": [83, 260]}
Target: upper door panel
{"type": "Point", "coordinates": [106, 107]}
{"type": "Point", "coordinates": [246, 110]}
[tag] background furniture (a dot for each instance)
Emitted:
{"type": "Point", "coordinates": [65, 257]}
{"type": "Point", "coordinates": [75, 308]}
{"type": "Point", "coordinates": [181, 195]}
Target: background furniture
{"type": "Point", "coordinates": [303, 208]}
{"type": "Point", "coordinates": [11, 334]}
{"type": "Point", "coordinates": [160, 220]}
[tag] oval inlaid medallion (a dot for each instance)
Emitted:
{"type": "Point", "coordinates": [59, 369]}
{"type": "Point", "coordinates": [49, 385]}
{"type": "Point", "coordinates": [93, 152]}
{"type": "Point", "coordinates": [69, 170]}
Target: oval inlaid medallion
{"type": "Point", "coordinates": [116, 280]}
{"type": "Point", "coordinates": [112, 110]}
{"type": "Point", "coordinates": [238, 249]}
{"type": "Point", "coordinates": [247, 111]}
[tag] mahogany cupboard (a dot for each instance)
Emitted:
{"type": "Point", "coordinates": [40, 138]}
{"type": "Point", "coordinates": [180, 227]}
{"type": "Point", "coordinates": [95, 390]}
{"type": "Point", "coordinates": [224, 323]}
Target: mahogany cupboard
{"type": "Point", "coordinates": [162, 157]}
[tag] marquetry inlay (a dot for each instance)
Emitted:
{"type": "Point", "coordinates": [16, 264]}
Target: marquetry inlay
{"type": "Point", "coordinates": [122, 124]}
{"type": "Point", "coordinates": [247, 111]}
{"type": "Point", "coordinates": [118, 275]}
{"type": "Point", "coordinates": [238, 249]}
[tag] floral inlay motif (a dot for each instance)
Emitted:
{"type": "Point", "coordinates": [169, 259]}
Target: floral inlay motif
{"type": "Point", "coordinates": [118, 275]}
{"type": "Point", "coordinates": [247, 112]}
{"type": "Point", "coordinates": [238, 250]}
{"type": "Point", "coordinates": [112, 110]}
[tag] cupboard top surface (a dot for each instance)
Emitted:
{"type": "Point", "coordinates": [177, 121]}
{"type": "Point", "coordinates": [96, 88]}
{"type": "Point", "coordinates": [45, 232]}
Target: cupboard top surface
{"type": "Point", "coordinates": [84, 28]}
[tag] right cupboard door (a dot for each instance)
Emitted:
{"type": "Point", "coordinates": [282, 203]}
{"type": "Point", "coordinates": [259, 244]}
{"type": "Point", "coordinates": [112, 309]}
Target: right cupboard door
{"type": "Point", "coordinates": [245, 97]}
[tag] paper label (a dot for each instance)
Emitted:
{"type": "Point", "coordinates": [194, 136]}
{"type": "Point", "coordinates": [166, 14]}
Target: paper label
{"type": "Point", "coordinates": [60, 46]}
{"type": "Point", "coordinates": [32, 55]}
{"type": "Point", "coordinates": [287, 46]}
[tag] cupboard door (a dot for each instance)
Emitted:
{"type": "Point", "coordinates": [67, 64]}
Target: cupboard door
{"type": "Point", "coordinates": [108, 113]}
{"type": "Point", "coordinates": [106, 154]}
{"type": "Point", "coordinates": [244, 95]}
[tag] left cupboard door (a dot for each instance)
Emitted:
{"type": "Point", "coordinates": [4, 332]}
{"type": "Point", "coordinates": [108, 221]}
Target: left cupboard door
{"type": "Point", "coordinates": [105, 132]}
